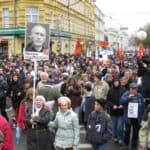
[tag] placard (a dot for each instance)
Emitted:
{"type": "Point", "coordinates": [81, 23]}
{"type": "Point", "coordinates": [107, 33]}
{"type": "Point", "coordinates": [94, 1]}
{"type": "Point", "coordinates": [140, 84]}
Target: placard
{"type": "Point", "coordinates": [133, 110]}
{"type": "Point", "coordinates": [37, 41]}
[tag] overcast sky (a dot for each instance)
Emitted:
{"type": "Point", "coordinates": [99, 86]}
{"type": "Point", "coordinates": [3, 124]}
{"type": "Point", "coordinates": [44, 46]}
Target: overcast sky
{"type": "Point", "coordinates": [126, 13]}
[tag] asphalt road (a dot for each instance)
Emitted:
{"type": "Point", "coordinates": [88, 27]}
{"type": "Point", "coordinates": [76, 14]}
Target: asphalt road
{"type": "Point", "coordinates": [22, 146]}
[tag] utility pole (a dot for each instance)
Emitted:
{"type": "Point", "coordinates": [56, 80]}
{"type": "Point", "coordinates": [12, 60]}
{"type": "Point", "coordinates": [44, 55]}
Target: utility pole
{"type": "Point", "coordinates": [59, 34]}
{"type": "Point", "coordinates": [69, 46]}
{"type": "Point", "coordinates": [14, 4]}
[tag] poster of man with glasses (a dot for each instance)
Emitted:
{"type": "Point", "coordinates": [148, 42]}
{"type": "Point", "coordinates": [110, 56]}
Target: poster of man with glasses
{"type": "Point", "coordinates": [37, 40]}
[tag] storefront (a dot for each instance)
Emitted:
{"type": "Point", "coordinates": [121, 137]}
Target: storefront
{"type": "Point", "coordinates": [12, 41]}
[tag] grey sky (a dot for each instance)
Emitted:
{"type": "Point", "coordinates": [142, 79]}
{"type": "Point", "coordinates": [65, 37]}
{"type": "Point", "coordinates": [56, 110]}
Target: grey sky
{"type": "Point", "coordinates": [125, 13]}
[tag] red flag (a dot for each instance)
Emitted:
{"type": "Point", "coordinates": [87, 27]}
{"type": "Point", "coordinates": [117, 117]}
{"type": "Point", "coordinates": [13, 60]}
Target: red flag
{"type": "Point", "coordinates": [140, 51]}
{"type": "Point", "coordinates": [77, 50]}
{"type": "Point", "coordinates": [102, 43]}
{"type": "Point", "coordinates": [119, 52]}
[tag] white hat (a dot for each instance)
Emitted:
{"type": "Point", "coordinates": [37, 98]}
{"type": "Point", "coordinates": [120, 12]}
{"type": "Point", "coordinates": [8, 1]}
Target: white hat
{"type": "Point", "coordinates": [65, 74]}
{"type": "Point", "coordinates": [41, 98]}
{"type": "Point", "coordinates": [64, 99]}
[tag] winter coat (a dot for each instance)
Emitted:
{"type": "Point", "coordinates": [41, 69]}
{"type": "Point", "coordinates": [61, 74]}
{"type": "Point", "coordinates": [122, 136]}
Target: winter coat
{"type": "Point", "coordinates": [3, 89]}
{"type": "Point", "coordinates": [124, 100]}
{"type": "Point", "coordinates": [113, 98]}
{"type": "Point", "coordinates": [99, 127]}
{"type": "Point", "coordinates": [89, 106]}
{"type": "Point", "coordinates": [100, 90]}
{"type": "Point", "coordinates": [8, 137]}
{"type": "Point", "coordinates": [145, 73]}
{"type": "Point", "coordinates": [24, 108]}
{"type": "Point", "coordinates": [144, 133]}
{"type": "Point", "coordinates": [75, 95]}
{"type": "Point", "coordinates": [15, 88]}
{"type": "Point", "coordinates": [49, 92]}
{"type": "Point", "coordinates": [39, 136]}
{"type": "Point", "coordinates": [67, 126]}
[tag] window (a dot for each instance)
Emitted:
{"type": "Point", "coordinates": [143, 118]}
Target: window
{"type": "Point", "coordinates": [5, 17]}
{"type": "Point", "coordinates": [32, 14]}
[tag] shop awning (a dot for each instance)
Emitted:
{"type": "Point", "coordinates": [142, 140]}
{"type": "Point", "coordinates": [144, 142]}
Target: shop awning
{"type": "Point", "coordinates": [21, 31]}
{"type": "Point", "coordinates": [11, 31]}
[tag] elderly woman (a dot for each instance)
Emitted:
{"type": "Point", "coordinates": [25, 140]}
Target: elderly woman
{"type": "Point", "coordinates": [37, 126]}
{"type": "Point", "coordinates": [67, 124]}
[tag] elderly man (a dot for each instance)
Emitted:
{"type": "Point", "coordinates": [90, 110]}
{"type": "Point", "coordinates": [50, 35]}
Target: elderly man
{"type": "Point", "coordinates": [38, 38]}
{"type": "Point", "coordinates": [133, 102]}
{"type": "Point", "coordinates": [50, 92]}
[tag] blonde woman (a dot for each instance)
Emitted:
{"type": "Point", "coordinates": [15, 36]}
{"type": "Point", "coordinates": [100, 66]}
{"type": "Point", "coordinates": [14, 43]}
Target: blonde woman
{"type": "Point", "coordinates": [67, 125]}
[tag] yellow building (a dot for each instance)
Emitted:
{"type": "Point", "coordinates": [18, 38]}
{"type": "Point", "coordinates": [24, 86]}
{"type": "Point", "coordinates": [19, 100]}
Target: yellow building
{"type": "Point", "coordinates": [68, 20]}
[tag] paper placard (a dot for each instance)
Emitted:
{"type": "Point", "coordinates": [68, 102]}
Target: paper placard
{"type": "Point", "coordinates": [133, 110]}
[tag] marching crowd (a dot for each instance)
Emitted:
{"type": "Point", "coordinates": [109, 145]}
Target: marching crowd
{"type": "Point", "coordinates": [110, 98]}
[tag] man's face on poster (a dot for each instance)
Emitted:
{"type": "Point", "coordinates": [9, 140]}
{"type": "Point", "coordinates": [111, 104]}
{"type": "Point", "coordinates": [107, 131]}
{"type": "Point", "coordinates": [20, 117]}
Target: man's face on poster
{"type": "Point", "coordinates": [38, 36]}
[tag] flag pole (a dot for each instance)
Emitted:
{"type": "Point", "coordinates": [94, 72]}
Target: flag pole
{"type": "Point", "coordinates": [34, 87]}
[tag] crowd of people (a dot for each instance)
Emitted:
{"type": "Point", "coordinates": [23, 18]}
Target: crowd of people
{"type": "Point", "coordinates": [110, 98]}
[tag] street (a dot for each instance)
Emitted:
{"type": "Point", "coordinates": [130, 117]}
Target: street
{"type": "Point", "coordinates": [22, 145]}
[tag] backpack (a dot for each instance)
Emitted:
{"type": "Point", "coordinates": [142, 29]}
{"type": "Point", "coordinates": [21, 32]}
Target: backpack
{"type": "Point", "coordinates": [97, 128]}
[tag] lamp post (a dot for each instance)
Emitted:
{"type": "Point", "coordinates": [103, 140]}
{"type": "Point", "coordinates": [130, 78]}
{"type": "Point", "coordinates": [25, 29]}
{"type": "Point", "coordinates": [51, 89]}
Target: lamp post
{"type": "Point", "coordinates": [69, 45]}
{"type": "Point", "coordinates": [59, 34]}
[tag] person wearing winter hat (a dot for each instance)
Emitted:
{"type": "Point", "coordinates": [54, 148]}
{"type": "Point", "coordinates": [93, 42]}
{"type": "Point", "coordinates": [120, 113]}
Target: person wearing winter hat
{"type": "Point", "coordinates": [133, 105]}
{"type": "Point", "coordinates": [99, 126]}
{"type": "Point", "coordinates": [67, 125]}
{"type": "Point", "coordinates": [37, 126]}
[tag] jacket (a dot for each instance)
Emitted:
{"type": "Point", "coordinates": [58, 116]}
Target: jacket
{"type": "Point", "coordinates": [39, 136]}
{"type": "Point", "coordinates": [124, 100]}
{"type": "Point", "coordinates": [100, 90]}
{"type": "Point", "coordinates": [24, 108]}
{"type": "Point", "coordinates": [15, 88]}
{"type": "Point", "coordinates": [67, 126]}
{"type": "Point", "coordinates": [89, 106]}
{"type": "Point", "coordinates": [99, 127]}
{"type": "Point", "coordinates": [113, 98]}
{"type": "Point", "coordinates": [74, 94]}
{"type": "Point", "coordinates": [7, 133]}
{"type": "Point", "coordinates": [144, 133]}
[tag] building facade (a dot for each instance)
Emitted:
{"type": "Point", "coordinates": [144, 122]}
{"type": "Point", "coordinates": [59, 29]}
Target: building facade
{"type": "Point", "coordinates": [99, 24]}
{"type": "Point", "coordinates": [68, 19]}
{"type": "Point", "coordinates": [113, 37]}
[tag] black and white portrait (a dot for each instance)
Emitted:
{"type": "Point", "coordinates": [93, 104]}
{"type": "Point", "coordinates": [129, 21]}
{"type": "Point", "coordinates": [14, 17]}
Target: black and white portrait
{"type": "Point", "coordinates": [37, 39]}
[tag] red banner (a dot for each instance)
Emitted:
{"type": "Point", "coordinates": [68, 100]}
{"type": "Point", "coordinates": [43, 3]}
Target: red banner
{"type": "Point", "coordinates": [140, 51]}
{"type": "Point", "coordinates": [77, 50]}
{"type": "Point", "coordinates": [102, 43]}
{"type": "Point", "coordinates": [119, 52]}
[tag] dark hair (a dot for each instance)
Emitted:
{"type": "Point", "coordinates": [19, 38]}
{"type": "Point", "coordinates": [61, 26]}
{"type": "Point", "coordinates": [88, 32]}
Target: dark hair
{"type": "Point", "coordinates": [88, 87]}
{"type": "Point", "coordinates": [101, 102]}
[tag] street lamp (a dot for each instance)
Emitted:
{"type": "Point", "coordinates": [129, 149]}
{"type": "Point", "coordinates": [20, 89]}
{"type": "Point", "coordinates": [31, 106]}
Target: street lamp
{"type": "Point", "coordinates": [59, 34]}
{"type": "Point", "coordinates": [69, 25]}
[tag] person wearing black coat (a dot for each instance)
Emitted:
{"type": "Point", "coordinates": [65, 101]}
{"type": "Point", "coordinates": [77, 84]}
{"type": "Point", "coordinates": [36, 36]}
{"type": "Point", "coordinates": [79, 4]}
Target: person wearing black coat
{"type": "Point", "coordinates": [88, 102]}
{"type": "Point", "coordinates": [144, 72]}
{"type": "Point", "coordinates": [37, 132]}
{"type": "Point", "coordinates": [17, 94]}
{"type": "Point", "coordinates": [3, 94]}
{"type": "Point", "coordinates": [116, 110]}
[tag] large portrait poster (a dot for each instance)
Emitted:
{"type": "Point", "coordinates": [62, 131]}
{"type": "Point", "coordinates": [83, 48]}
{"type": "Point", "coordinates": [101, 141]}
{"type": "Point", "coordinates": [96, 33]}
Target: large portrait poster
{"type": "Point", "coordinates": [37, 41]}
